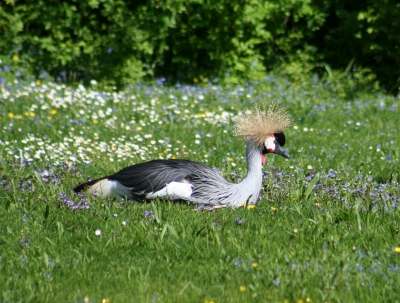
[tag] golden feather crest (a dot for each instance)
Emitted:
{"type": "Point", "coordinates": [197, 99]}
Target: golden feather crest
{"type": "Point", "coordinates": [256, 124]}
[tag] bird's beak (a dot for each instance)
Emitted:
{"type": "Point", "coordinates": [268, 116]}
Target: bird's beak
{"type": "Point", "coordinates": [280, 151]}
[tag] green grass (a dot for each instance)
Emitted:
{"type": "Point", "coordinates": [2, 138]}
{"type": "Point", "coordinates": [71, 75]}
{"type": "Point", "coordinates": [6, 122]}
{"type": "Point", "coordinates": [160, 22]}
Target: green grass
{"type": "Point", "coordinates": [325, 229]}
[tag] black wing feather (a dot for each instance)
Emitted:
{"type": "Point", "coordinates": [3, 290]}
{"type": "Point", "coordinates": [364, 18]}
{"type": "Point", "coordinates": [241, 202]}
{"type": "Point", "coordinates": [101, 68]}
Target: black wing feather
{"type": "Point", "coordinates": [154, 175]}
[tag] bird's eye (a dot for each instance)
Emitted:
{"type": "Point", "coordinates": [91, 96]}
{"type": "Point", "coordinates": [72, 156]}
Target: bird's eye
{"type": "Point", "coordinates": [281, 138]}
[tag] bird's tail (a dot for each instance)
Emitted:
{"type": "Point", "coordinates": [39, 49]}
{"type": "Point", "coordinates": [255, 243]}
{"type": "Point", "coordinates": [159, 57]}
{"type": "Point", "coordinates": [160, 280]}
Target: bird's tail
{"type": "Point", "coordinates": [105, 188]}
{"type": "Point", "coordinates": [86, 185]}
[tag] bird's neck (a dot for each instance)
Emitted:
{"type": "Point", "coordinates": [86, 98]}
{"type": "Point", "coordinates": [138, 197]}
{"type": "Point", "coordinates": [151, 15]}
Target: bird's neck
{"type": "Point", "coordinates": [251, 185]}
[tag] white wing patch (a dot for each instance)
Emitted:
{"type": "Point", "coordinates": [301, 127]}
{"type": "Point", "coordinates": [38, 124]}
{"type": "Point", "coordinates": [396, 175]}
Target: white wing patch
{"type": "Point", "coordinates": [173, 190]}
{"type": "Point", "coordinates": [108, 189]}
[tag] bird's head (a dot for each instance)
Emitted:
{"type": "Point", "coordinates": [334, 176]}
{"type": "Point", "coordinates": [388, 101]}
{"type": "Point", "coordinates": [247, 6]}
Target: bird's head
{"type": "Point", "coordinates": [274, 144]}
{"type": "Point", "coordinates": [265, 129]}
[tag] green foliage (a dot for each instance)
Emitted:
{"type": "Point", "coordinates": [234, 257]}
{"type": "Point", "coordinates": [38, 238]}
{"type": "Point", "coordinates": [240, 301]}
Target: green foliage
{"type": "Point", "coordinates": [118, 42]}
{"type": "Point", "coordinates": [364, 31]}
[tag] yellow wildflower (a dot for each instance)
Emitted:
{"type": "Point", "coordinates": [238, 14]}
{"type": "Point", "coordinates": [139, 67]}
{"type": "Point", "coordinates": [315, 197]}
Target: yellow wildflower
{"type": "Point", "coordinates": [105, 300]}
{"type": "Point", "coordinates": [273, 208]}
{"type": "Point", "coordinates": [199, 116]}
{"type": "Point", "coordinates": [254, 265]}
{"type": "Point", "coordinates": [294, 199]}
{"type": "Point", "coordinates": [308, 300]}
{"type": "Point", "coordinates": [32, 114]}
{"type": "Point", "coordinates": [195, 80]}
{"type": "Point", "coordinates": [242, 288]}
{"type": "Point", "coordinates": [15, 58]}
{"type": "Point", "coordinates": [397, 249]}
{"type": "Point", "coordinates": [95, 121]}
{"type": "Point", "coordinates": [208, 301]}
{"type": "Point", "coordinates": [300, 301]}
{"type": "Point", "coordinates": [54, 111]}
{"type": "Point", "coordinates": [11, 115]}
{"type": "Point", "coordinates": [38, 82]}
{"type": "Point", "coordinates": [251, 206]}
{"type": "Point", "coordinates": [317, 204]}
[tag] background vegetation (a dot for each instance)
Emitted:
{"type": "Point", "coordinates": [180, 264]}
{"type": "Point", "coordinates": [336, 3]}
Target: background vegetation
{"type": "Point", "coordinates": [119, 42]}
{"type": "Point", "coordinates": [326, 228]}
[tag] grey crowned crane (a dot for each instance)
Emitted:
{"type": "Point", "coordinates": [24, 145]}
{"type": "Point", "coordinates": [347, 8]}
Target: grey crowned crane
{"type": "Point", "coordinates": [195, 182]}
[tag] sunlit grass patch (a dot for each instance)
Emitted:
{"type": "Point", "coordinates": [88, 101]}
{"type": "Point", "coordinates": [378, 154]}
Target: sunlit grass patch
{"type": "Point", "coordinates": [325, 229]}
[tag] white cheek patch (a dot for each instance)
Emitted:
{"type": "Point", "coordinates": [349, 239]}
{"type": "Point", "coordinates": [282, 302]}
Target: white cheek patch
{"type": "Point", "coordinates": [270, 144]}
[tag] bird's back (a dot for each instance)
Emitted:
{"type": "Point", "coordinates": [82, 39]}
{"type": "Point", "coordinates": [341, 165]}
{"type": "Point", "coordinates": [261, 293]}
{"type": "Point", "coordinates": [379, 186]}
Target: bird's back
{"type": "Point", "coordinates": [153, 176]}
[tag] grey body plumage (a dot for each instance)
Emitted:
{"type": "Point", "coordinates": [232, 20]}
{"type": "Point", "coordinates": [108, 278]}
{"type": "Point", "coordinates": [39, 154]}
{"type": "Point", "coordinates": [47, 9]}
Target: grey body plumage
{"type": "Point", "coordinates": [195, 182]}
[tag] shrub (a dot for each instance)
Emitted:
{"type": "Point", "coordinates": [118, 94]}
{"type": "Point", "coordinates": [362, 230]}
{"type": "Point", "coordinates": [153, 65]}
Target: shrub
{"type": "Point", "coordinates": [117, 41]}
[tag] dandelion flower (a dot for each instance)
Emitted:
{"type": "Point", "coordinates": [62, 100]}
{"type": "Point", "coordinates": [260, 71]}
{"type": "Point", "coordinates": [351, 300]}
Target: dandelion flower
{"type": "Point", "coordinates": [251, 206]}
{"type": "Point", "coordinates": [308, 300]}
{"type": "Point", "coordinates": [106, 300]}
{"type": "Point", "coordinates": [11, 115]}
{"type": "Point", "coordinates": [54, 111]}
{"type": "Point", "coordinates": [242, 288]}
{"type": "Point", "coordinates": [397, 249]}
{"type": "Point", "coordinates": [273, 208]}
{"type": "Point", "coordinates": [254, 265]}
{"type": "Point", "coordinates": [15, 58]}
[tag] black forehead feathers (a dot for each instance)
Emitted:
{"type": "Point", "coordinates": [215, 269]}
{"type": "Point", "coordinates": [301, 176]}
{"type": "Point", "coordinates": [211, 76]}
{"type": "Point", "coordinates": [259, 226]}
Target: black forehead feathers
{"type": "Point", "coordinates": [281, 138]}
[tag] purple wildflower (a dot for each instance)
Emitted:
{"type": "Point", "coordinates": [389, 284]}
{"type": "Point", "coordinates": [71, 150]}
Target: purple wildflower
{"type": "Point", "coordinates": [149, 214]}
{"type": "Point", "coordinates": [239, 221]}
{"type": "Point", "coordinates": [200, 207]}
{"type": "Point", "coordinates": [81, 204]}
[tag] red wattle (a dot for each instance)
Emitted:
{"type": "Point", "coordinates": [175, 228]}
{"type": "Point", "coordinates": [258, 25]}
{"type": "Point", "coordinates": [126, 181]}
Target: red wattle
{"type": "Point", "coordinates": [262, 159]}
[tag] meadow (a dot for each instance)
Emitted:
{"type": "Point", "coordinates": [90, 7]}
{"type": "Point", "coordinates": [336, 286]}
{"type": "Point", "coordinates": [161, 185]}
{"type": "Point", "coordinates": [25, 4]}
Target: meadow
{"type": "Point", "coordinates": [326, 228]}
